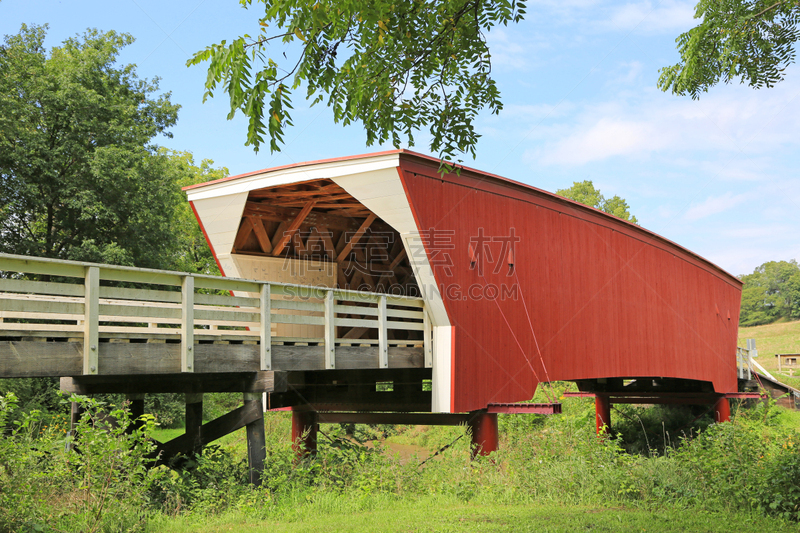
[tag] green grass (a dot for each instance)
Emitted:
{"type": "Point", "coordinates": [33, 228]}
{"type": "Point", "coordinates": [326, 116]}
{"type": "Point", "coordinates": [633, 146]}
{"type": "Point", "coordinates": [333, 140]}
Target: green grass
{"type": "Point", "coordinates": [771, 339]}
{"type": "Point", "coordinates": [432, 515]}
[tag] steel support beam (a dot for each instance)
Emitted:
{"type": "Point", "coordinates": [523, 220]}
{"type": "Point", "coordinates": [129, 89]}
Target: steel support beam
{"type": "Point", "coordinates": [485, 435]}
{"type": "Point", "coordinates": [522, 408]}
{"type": "Point", "coordinates": [602, 413]}
{"type": "Point", "coordinates": [722, 410]}
{"type": "Point", "coordinates": [421, 419]}
{"type": "Point", "coordinates": [305, 425]}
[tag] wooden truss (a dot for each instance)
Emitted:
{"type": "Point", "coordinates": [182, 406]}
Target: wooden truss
{"type": "Point", "coordinates": [320, 221]}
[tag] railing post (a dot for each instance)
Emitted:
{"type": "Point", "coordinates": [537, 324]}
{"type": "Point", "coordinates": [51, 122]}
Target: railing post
{"type": "Point", "coordinates": [187, 324]}
{"type": "Point", "coordinates": [739, 370]}
{"type": "Point", "coordinates": [427, 344]}
{"type": "Point", "coordinates": [330, 331]}
{"type": "Point", "coordinates": [91, 320]}
{"type": "Point", "coordinates": [383, 344]}
{"type": "Point", "coordinates": [266, 328]}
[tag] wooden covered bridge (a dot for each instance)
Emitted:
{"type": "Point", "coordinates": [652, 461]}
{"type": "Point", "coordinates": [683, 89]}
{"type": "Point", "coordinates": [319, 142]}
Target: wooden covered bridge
{"type": "Point", "coordinates": [375, 289]}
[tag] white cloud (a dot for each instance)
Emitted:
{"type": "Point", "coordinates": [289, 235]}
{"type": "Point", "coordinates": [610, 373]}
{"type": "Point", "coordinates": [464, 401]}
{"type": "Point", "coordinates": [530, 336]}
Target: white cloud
{"type": "Point", "coordinates": [626, 74]}
{"type": "Point", "coordinates": [745, 258]}
{"type": "Point", "coordinates": [714, 205]}
{"type": "Point", "coordinates": [768, 232]}
{"type": "Point", "coordinates": [508, 51]}
{"type": "Point", "coordinates": [738, 128]}
{"type": "Point", "coordinates": [666, 17]}
{"type": "Point", "coordinates": [531, 112]}
{"type": "Point", "coordinates": [606, 138]}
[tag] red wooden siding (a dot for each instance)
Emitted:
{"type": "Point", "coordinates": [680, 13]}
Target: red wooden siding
{"type": "Point", "coordinates": [605, 299]}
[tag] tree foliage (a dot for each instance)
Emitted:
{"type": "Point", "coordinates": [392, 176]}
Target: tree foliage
{"type": "Point", "coordinates": [396, 67]}
{"type": "Point", "coordinates": [79, 177]}
{"type": "Point", "coordinates": [585, 192]}
{"type": "Point", "coordinates": [752, 40]}
{"type": "Point", "coordinates": [771, 293]}
{"type": "Point", "coordinates": [193, 252]}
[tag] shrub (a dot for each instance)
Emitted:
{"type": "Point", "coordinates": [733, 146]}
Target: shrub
{"type": "Point", "coordinates": [95, 480]}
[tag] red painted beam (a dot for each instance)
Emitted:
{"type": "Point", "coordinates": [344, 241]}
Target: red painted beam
{"type": "Point", "coordinates": [485, 435]}
{"type": "Point", "coordinates": [745, 395]}
{"type": "Point", "coordinates": [422, 419]}
{"type": "Point", "coordinates": [521, 408]}
{"type": "Point", "coordinates": [578, 395]}
{"type": "Point", "coordinates": [666, 397]}
{"type": "Point", "coordinates": [304, 433]}
{"type": "Point", "coordinates": [602, 413]}
{"type": "Point", "coordinates": [722, 411]}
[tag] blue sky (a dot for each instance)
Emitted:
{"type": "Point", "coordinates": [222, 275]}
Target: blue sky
{"type": "Point", "coordinates": [578, 77]}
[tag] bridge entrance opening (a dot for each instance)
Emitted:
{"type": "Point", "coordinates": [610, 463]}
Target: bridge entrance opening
{"type": "Point", "coordinates": [314, 233]}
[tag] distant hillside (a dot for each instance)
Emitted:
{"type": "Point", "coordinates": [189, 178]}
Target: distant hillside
{"type": "Point", "coordinates": [772, 339]}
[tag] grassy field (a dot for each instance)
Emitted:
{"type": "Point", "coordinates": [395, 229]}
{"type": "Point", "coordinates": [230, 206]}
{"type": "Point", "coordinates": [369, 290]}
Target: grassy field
{"type": "Point", "coordinates": [432, 515]}
{"type": "Point", "coordinates": [771, 339]}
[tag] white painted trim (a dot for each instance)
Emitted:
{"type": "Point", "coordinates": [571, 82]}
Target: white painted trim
{"type": "Point", "coordinates": [442, 369]}
{"type": "Point", "coordinates": [221, 216]}
{"type": "Point", "coordinates": [298, 174]}
{"type": "Point", "coordinates": [382, 193]}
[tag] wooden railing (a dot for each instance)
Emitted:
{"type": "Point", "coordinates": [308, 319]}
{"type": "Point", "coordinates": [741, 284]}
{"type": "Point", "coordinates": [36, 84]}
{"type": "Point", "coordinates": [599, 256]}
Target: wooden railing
{"type": "Point", "coordinates": [744, 363]}
{"type": "Point", "coordinates": [89, 302]}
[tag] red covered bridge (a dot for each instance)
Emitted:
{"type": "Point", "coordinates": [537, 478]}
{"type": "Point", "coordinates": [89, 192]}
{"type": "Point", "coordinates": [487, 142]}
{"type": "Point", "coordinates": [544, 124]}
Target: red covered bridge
{"type": "Point", "coordinates": [520, 286]}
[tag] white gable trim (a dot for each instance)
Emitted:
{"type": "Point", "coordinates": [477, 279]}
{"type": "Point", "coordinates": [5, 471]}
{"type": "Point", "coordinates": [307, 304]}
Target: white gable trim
{"type": "Point", "coordinates": [298, 174]}
{"type": "Point", "coordinates": [221, 216]}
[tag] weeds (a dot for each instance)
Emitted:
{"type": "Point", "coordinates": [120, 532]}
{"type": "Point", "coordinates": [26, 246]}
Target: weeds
{"type": "Point", "coordinates": [47, 485]}
{"type": "Point", "coordinates": [749, 465]}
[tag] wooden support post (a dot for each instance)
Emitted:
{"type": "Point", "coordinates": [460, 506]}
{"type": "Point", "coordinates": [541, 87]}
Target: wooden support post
{"type": "Point", "coordinates": [136, 407]}
{"type": "Point", "coordinates": [76, 411]}
{"type": "Point", "coordinates": [330, 331]}
{"type": "Point", "coordinates": [194, 419]}
{"type": "Point", "coordinates": [304, 433]}
{"type": "Point", "coordinates": [722, 411]}
{"type": "Point", "coordinates": [187, 324]}
{"type": "Point", "coordinates": [266, 328]}
{"type": "Point", "coordinates": [602, 410]}
{"type": "Point", "coordinates": [383, 338]}
{"type": "Point", "coordinates": [91, 320]}
{"type": "Point", "coordinates": [427, 342]}
{"type": "Point", "coordinates": [256, 440]}
{"type": "Point", "coordinates": [485, 436]}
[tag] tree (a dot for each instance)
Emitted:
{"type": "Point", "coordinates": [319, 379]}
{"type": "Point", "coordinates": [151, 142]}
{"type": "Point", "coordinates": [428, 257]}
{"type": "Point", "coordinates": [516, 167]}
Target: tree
{"type": "Point", "coordinates": [585, 192]}
{"type": "Point", "coordinates": [193, 252]}
{"type": "Point", "coordinates": [79, 177]}
{"type": "Point", "coordinates": [396, 67]}
{"type": "Point", "coordinates": [771, 293]}
{"type": "Point", "coordinates": [748, 39]}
